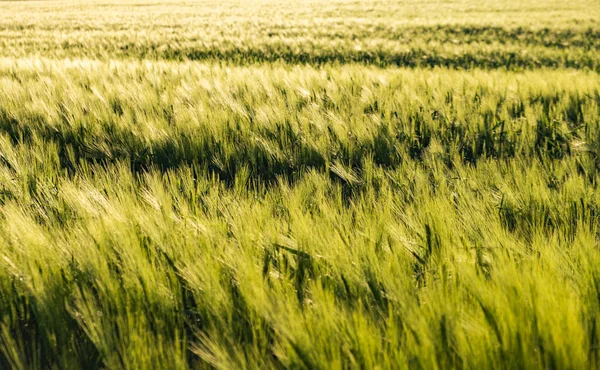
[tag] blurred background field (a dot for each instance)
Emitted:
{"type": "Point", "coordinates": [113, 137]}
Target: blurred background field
{"type": "Point", "coordinates": [457, 34]}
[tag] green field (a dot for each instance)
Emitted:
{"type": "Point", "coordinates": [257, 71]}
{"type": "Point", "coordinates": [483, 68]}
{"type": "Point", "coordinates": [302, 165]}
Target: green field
{"type": "Point", "coordinates": [300, 184]}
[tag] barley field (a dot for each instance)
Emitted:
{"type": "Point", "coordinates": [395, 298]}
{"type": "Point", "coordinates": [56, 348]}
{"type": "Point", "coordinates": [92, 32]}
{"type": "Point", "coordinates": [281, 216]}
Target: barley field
{"type": "Point", "coordinates": [278, 184]}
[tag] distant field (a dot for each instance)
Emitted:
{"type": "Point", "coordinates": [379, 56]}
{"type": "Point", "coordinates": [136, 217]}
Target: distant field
{"type": "Point", "coordinates": [457, 34]}
{"type": "Point", "coordinates": [300, 185]}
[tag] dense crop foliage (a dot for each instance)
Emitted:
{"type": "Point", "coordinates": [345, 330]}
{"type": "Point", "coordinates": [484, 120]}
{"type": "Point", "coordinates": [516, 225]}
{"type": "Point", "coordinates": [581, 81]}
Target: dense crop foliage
{"type": "Point", "coordinates": [266, 185]}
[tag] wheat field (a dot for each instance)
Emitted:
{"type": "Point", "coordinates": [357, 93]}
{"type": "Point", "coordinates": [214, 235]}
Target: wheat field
{"type": "Point", "coordinates": [287, 184]}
